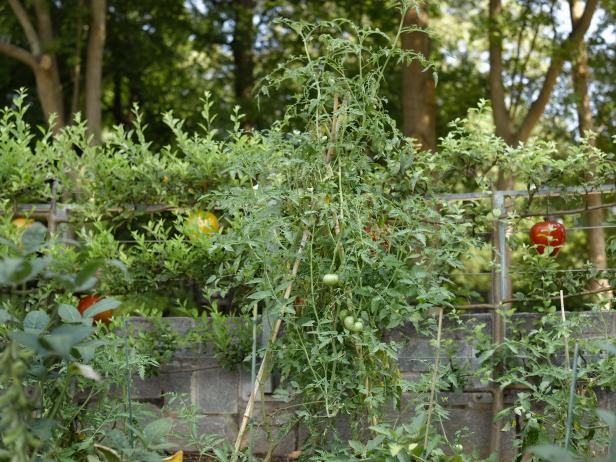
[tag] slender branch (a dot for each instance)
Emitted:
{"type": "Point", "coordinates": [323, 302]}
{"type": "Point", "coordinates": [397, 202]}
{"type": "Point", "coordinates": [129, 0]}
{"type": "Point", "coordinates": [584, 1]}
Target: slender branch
{"type": "Point", "coordinates": [18, 53]}
{"type": "Point", "coordinates": [556, 64]}
{"type": "Point", "coordinates": [531, 48]}
{"type": "Point", "coordinates": [516, 61]}
{"type": "Point", "coordinates": [26, 25]}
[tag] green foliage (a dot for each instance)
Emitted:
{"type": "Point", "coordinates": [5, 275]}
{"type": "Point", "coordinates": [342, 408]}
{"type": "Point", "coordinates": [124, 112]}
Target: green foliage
{"type": "Point", "coordinates": [345, 194]}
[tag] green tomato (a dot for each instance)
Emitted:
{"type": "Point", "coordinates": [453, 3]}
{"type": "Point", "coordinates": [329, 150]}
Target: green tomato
{"type": "Point", "coordinates": [349, 323]}
{"type": "Point", "coordinates": [343, 314]}
{"type": "Point", "coordinates": [358, 326]}
{"type": "Point", "coordinates": [331, 280]}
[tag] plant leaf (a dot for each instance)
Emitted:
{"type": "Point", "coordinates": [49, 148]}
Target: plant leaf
{"type": "Point", "coordinates": [69, 313]}
{"type": "Point", "coordinates": [36, 321]}
{"type": "Point", "coordinates": [106, 304]}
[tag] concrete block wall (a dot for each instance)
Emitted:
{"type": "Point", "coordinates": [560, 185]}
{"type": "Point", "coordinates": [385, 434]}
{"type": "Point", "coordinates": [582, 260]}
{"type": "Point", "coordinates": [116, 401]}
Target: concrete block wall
{"type": "Point", "coordinates": [220, 395]}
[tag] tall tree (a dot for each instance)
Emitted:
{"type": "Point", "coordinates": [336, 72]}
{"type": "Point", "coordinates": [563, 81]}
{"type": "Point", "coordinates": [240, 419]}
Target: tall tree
{"type": "Point", "coordinates": [579, 73]}
{"type": "Point", "coordinates": [513, 131]}
{"type": "Point", "coordinates": [243, 56]}
{"type": "Point", "coordinates": [40, 56]}
{"type": "Point", "coordinates": [94, 68]}
{"type": "Point", "coordinates": [418, 108]}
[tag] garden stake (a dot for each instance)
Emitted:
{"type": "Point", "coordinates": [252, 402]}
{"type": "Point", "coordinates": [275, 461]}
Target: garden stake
{"type": "Point", "coordinates": [571, 397]}
{"type": "Point", "coordinates": [128, 388]}
{"type": "Point", "coordinates": [565, 335]}
{"type": "Point", "coordinates": [434, 375]}
{"type": "Point", "coordinates": [253, 372]}
{"type": "Point", "coordinates": [264, 364]}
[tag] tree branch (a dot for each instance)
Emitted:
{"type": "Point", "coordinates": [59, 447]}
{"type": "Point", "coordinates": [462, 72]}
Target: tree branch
{"type": "Point", "coordinates": [18, 53]}
{"type": "Point", "coordinates": [516, 60]}
{"type": "Point", "coordinates": [43, 17]}
{"type": "Point", "coordinates": [518, 96]}
{"type": "Point", "coordinates": [554, 70]}
{"type": "Point", "coordinates": [502, 121]}
{"type": "Point", "coordinates": [26, 25]}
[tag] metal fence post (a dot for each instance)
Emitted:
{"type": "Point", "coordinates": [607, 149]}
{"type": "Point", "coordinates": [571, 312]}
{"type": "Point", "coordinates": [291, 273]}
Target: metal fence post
{"type": "Point", "coordinates": [499, 291]}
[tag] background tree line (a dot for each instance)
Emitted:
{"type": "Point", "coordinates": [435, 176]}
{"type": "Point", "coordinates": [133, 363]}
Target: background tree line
{"type": "Point", "coordinates": [545, 66]}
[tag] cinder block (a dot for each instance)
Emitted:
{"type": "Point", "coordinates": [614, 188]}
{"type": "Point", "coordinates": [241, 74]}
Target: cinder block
{"type": "Point", "coordinates": [147, 388]}
{"type": "Point", "coordinates": [274, 427]}
{"type": "Point", "coordinates": [246, 386]}
{"type": "Point", "coordinates": [176, 380]}
{"type": "Point", "coordinates": [215, 391]}
{"type": "Point", "coordinates": [193, 437]}
{"type": "Point", "coordinates": [179, 325]}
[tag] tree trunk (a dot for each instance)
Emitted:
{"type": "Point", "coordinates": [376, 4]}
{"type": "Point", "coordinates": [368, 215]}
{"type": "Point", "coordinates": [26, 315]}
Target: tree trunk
{"type": "Point", "coordinates": [94, 68]}
{"type": "Point", "coordinates": [48, 75]}
{"type": "Point", "coordinates": [49, 91]}
{"type": "Point", "coordinates": [243, 57]}
{"type": "Point", "coordinates": [418, 85]}
{"type": "Point", "coordinates": [595, 235]}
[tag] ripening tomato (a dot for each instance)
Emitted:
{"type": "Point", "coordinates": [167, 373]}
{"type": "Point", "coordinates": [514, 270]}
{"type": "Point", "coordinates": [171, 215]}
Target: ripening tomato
{"type": "Point", "coordinates": [22, 222]}
{"type": "Point", "coordinates": [204, 222]}
{"type": "Point", "coordinates": [89, 300]}
{"type": "Point", "coordinates": [548, 233]}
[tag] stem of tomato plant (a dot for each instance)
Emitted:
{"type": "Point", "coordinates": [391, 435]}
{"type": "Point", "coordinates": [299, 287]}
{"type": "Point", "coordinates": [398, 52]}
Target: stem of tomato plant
{"type": "Point", "coordinates": [253, 373]}
{"type": "Point", "coordinates": [434, 376]}
{"type": "Point", "coordinates": [129, 396]}
{"type": "Point", "coordinates": [60, 399]}
{"type": "Point", "coordinates": [571, 396]}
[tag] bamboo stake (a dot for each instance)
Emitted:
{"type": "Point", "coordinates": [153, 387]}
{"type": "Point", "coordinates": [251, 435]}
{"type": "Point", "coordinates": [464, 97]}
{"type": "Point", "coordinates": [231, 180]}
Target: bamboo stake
{"type": "Point", "coordinates": [566, 335]}
{"type": "Point", "coordinates": [258, 383]}
{"type": "Point", "coordinates": [434, 375]}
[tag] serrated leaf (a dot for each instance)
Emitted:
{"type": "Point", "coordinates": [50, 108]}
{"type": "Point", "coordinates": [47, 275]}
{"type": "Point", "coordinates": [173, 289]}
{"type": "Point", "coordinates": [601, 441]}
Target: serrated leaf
{"type": "Point", "coordinates": [260, 295]}
{"type": "Point", "coordinates": [357, 446]}
{"type": "Point", "coordinates": [394, 449]}
{"type": "Point", "coordinates": [374, 442]}
{"type": "Point", "coordinates": [157, 430]}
